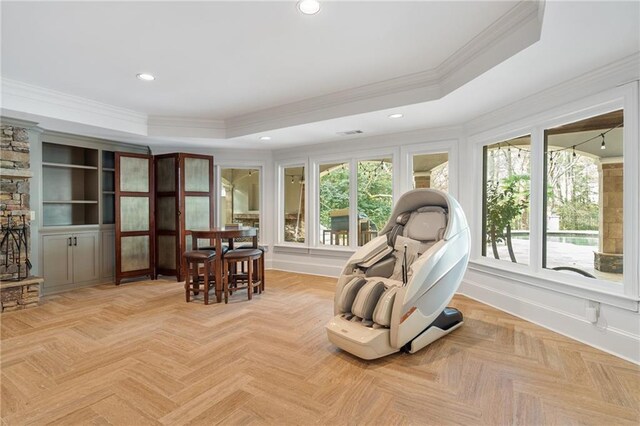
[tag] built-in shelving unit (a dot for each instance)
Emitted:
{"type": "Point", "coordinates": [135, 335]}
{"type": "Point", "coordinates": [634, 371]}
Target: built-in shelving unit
{"type": "Point", "coordinates": [108, 187]}
{"type": "Point", "coordinates": [70, 185]}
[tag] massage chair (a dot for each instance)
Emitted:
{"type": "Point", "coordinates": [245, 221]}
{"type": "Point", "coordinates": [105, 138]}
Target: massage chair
{"type": "Point", "coordinates": [393, 293]}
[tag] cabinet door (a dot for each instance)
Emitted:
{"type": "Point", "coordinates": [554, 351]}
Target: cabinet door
{"type": "Point", "coordinates": [108, 242]}
{"type": "Point", "coordinates": [58, 261]}
{"type": "Point", "coordinates": [86, 266]}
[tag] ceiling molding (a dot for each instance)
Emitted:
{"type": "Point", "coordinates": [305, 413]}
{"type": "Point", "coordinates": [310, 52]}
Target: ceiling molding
{"type": "Point", "coordinates": [186, 127]}
{"type": "Point", "coordinates": [517, 29]}
{"type": "Point", "coordinates": [594, 81]}
{"type": "Point", "coordinates": [19, 96]}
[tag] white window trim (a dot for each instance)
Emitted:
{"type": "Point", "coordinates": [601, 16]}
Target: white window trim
{"type": "Point", "coordinates": [625, 295]}
{"type": "Point", "coordinates": [449, 146]}
{"type": "Point", "coordinates": [280, 199]}
{"type": "Point", "coordinates": [260, 166]}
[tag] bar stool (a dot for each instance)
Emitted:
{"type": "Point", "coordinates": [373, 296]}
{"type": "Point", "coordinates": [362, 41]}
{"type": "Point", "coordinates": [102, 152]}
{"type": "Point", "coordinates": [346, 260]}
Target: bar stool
{"type": "Point", "coordinates": [258, 264]}
{"type": "Point", "coordinates": [230, 274]}
{"type": "Point", "coordinates": [193, 259]}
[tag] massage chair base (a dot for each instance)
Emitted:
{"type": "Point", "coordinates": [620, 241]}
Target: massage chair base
{"type": "Point", "coordinates": [371, 343]}
{"type": "Point", "coordinates": [449, 320]}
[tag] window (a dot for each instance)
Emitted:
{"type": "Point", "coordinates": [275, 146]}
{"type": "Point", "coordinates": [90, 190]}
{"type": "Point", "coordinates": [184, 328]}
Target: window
{"type": "Point", "coordinates": [240, 197]}
{"type": "Point", "coordinates": [375, 197]}
{"type": "Point", "coordinates": [334, 204]}
{"type": "Point", "coordinates": [583, 230]}
{"type": "Point", "coordinates": [294, 204]}
{"type": "Point", "coordinates": [431, 171]}
{"type": "Point", "coordinates": [506, 186]}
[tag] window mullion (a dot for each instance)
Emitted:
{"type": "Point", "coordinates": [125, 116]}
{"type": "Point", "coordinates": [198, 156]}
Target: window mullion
{"type": "Point", "coordinates": [536, 203]}
{"type": "Point", "coordinates": [353, 203]}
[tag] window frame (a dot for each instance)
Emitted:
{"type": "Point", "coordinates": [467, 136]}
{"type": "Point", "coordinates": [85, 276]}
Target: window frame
{"type": "Point", "coordinates": [352, 160]}
{"type": "Point", "coordinates": [448, 146]}
{"type": "Point", "coordinates": [624, 295]}
{"type": "Point", "coordinates": [218, 187]}
{"type": "Point", "coordinates": [280, 199]}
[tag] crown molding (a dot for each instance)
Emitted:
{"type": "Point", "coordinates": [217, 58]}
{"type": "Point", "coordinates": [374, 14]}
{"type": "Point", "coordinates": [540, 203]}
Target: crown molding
{"type": "Point", "coordinates": [517, 29]}
{"type": "Point", "coordinates": [20, 96]}
{"type": "Point", "coordinates": [167, 126]}
{"type": "Point", "coordinates": [16, 122]}
{"type": "Point", "coordinates": [616, 73]}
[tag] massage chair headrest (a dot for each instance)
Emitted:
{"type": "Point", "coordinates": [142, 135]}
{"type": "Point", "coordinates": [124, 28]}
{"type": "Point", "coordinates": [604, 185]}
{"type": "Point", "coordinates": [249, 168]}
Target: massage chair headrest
{"type": "Point", "coordinates": [426, 224]}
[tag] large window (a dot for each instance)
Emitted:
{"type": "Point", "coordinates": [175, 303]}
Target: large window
{"type": "Point", "coordinates": [375, 197]}
{"type": "Point", "coordinates": [334, 204]}
{"type": "Point", "coordinates": [584, 197]}
{"type": "Point", "coordinates": [431, 171]}
{"type": "Point", "coordinates": [240, 197]}
{"type": "Point", "coordinates": [506, 186]}
{"type": "Point", "coordinates": [294, 204]}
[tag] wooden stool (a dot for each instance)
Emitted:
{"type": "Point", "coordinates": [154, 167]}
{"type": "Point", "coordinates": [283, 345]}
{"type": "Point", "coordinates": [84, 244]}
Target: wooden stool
{"type": "Point", "coordinates": [193, 259]}
{"type": "Point", "coordinates": [230, 274]}
{"type": "Point", "coordinates": [259, 263]}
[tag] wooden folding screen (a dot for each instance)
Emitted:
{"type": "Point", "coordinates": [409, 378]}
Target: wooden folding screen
{"type": "Point", "coordinates": [135, 216]}
{"type": "Point", "coordinates": [184, 201]}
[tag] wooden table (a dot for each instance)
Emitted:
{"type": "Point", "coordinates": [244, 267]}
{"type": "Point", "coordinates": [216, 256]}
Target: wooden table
{"type": "Point", "coordinates": [223, 233]}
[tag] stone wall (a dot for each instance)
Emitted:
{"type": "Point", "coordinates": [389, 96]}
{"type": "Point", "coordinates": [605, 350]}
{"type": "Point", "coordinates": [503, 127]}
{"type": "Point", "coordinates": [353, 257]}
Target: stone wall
{"type": "Point", "coordinates": [14, 195]}
{"type": "Point", "coordinates": [611, 213]}
{"type": "Point", "coordinates": [423, 181]}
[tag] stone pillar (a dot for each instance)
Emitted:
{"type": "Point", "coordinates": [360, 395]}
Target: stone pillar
{"type": "Point", "coordinates": [609, 258]}
{"type": "Point", "coordinates": [422, 180]}
{"type": "Point", "coordinates": [14, 193]}
{"type": "Point", "coordinates": [18, 290]}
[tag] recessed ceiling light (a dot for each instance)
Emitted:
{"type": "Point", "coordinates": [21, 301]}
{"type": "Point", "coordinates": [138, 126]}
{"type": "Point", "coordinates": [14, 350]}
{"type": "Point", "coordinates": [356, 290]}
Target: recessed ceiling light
{"type": "Point", "coordinates": [265, 138]}
{"type": "Point", "coordinates": [309, 7]}
{"type": "Point", "coordinates": [396, 115]}
{"type": "Point", "coordinates": [146, 77]}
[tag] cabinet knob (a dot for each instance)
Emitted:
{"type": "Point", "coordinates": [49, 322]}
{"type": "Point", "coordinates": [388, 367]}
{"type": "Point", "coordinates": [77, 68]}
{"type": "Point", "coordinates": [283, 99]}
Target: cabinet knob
{"type": "Point", "coordinates": [69, 239]}
{"type": "Point", "coordinates": [75, 241]}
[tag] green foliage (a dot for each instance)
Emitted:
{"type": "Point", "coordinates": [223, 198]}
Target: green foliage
{"type": "Point", "coordinates": [579, 216]}
{"type": "Point", "coordinates": [334, 192]}
{"type": "Point", "coordinates": [507, 201]}
{"type": "Point", "coordinates": [375, 189]}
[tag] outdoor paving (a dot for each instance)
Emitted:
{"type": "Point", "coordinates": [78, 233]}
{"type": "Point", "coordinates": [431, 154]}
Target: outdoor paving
{"type": "Point", "coordinates": [558, 254]}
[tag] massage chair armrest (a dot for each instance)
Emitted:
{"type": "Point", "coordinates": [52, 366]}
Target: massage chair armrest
{"type": "Point", "coordinates": [370, 253]}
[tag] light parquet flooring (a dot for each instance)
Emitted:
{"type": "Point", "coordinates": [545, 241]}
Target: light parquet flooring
{"type": "Point", "coordinates": [138, 354]}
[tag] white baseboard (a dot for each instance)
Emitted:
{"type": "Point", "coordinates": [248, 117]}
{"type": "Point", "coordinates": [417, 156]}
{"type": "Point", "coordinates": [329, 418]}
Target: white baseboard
{"type": "Point", "coordinates": [610, 339]}
{"type": "Point", "coordinates": [307, 268]}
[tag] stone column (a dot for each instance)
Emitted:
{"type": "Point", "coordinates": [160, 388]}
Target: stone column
{"type": "Point", "coordinates": [422, 179]}
{"type": "Point", "coordinates": [609, 258]}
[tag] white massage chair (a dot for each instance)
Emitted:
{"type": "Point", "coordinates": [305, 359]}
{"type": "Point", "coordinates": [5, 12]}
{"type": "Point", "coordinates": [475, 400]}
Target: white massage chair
{"type": "Point", "coordinates": [393, 292]}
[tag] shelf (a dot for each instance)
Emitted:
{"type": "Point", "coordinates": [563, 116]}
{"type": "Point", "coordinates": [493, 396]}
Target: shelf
{"type": "Point", "coordinates": [70, 202]}
{"type": "Point", "coordinates": [109, 192]}
{"type": "Point", "coordinates": [108, 169]}
{"type": "Point", "coordinates": [69, 166]}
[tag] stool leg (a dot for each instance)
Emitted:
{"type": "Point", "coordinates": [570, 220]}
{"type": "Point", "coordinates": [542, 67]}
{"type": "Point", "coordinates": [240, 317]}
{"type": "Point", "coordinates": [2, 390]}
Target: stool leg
{"type": "Point", "coordinates": [262, 273]}
{"type": "Point", "coordinates": [225, 280]}
{"type": "Point", "coordinates": [187, 290]}
{"type": "Point", "coordinates": [196, 279]}
{"type": "Point", "coordinates": [206, 282]}
{"type": "Point", "coordinates": [250, 278]}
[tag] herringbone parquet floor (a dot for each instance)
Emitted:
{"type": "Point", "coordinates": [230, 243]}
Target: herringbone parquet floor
{"type": "Point", "coordinates": [138, 354]}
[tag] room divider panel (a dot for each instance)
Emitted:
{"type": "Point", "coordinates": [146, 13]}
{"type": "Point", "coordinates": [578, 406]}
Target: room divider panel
{"type": "Point", "coordinates": [184, 201]}
{"type": "Point", "coordinates": [135, 220]}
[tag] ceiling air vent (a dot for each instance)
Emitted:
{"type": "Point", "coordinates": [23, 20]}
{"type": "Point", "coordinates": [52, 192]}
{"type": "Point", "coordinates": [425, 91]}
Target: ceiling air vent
{"type": "Point", "coordinates": [350, 132]}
